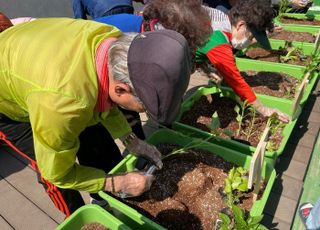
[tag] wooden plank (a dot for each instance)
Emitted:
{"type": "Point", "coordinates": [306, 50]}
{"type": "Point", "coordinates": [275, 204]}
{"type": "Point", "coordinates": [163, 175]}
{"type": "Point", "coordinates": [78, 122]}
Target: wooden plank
{"type": "Point", "coordinates": [299, 93]}
{"type": "Point", "coordinates": [24, 179]}
{"type": "Point", "coordinates": [4, 224]}
{"type": "Point", "coordinates": [257, 160]}
{"type": "Point", "coordinates": [20, 212]}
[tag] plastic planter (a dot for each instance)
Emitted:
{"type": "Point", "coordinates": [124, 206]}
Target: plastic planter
{"type": "Point", "coordinates": [293, 70]}
{"type": "Point", "coordinates": [232, 144]}
{"type": "Point", "coordinates": [300, 16]}
{"type": "Point", "coordinates": [172, 137]}
{"type": "Point", "coordinates": [306, 46]}
{"type": "Point", "coordinates": [92, 213]}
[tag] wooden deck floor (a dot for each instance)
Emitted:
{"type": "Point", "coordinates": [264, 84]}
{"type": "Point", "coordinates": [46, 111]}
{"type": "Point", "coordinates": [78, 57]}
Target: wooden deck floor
{"type": "Point", "coordinates": [24, 204]}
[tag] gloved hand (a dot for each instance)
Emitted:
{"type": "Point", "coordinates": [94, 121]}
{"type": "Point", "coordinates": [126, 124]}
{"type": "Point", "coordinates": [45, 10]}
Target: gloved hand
{"type": "Point", "coordinates": [299, 3]}
{"type": "Point", "coordinates": [129, 185]}
{"type": "Point", "coordinates": [267, 112]}
{"type": "Point", "coordinates": [141, 148]}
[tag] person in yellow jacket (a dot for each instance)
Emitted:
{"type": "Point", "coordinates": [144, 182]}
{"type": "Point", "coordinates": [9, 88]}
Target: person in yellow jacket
{"type": "Point", "coordinates": [61, 82]}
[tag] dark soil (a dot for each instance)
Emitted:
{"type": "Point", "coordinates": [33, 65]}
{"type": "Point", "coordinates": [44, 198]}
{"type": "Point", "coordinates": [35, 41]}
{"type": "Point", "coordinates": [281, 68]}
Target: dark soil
{"type": "Point", "coordinates": [271, 83]}
{"type": "Point", "coordinates": [200, 114]}
{"type": "Point", "coordinates": [289, 20]}
{"type": "Point", "coordinates": [275, 56]}
{"type": "Point", "coordinates": [93, 226]}
{"type": "Point", "coordinates": [188, 192]}
{"type": "Point", "coordinates": [293, 36]}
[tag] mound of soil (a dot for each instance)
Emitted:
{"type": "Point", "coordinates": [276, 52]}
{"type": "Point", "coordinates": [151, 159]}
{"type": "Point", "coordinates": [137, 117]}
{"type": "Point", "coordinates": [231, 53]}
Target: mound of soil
{"type": "Point", "coordinates": [94, 226]}
{"type": "Point", "coordinates": [200, 114]}
{"type": "Point", "coordinates": [271, 83]}
{"type": "Point", "coordinates": [275, 56]}
{"type": "Point", "coordinates": [289, 20]}
{"type": "Point", "coordinates": [293, 36]}
{"type": "Point", "coordinates": [187, 192]}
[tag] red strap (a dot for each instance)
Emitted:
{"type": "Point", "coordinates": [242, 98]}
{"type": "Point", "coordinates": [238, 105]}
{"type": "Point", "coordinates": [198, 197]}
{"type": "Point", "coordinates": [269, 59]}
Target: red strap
{"type": "Point", "coordinates": [32, 162]}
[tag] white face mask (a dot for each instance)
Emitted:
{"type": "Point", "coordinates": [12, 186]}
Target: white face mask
{"type": "Point", "coordinates": [243, 43]}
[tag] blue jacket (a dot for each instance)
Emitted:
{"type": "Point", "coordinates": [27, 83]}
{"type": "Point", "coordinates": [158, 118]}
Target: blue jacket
{"type": "Point", "coordinates": [124, 22]}
{"type": "Point", "coordinates": [96, 8]}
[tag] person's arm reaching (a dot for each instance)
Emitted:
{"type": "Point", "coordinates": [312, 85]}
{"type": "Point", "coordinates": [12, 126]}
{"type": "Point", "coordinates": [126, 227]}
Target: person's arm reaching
{"type": "Point", "coordinates": [222, 58]}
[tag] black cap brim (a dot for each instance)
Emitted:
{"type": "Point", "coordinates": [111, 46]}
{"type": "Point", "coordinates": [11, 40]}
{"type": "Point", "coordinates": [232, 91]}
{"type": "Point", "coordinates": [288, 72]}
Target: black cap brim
{"type": "Point", "coordinates": [261, 37]}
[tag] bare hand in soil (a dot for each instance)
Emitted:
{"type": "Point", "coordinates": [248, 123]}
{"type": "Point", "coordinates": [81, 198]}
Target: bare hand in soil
{"type": "Point", "coordinates": [136, 183]}
{"type": "Point", "coordinates": [141, 148]}
{"type": "Point", "coordinates": [277, 28]}
{"type": "Point", "coordinates": [267, 111]}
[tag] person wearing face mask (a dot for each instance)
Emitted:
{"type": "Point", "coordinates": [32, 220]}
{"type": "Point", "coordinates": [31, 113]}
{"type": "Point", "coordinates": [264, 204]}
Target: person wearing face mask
{"type": "Point", "coordinates": [249, 20]}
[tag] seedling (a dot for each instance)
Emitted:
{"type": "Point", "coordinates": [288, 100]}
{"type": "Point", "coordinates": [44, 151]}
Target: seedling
{"type": "Point", "coordinates": [253, 113]}
{"type": "Point", "coordinates": [240, 222]}
{"type": "Point", "coordinates": [274, 124]}
{"type": "Point", "coordinates": [235, 184]}
{"type": "Point", "coordinates": [240, 110]}
{"type": "Point", "coordinates": [283, 7]}
{"type": "Point", "coordinates": [215, 125]}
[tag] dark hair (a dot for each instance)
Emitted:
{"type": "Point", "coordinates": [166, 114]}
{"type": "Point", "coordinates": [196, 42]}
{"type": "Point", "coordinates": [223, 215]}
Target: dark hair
{"type": "Point", "coordinates": [5, 22]}
{"type": "Point", "coordinates": [256, 13]}
{"type": "Point", "coordinates": [187, 17]}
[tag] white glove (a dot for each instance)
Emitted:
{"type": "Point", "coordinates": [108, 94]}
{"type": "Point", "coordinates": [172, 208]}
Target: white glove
{"type": "Point", "coordinates": [141, 148]}
{"type": "Point", "coordinates": [267, 111]}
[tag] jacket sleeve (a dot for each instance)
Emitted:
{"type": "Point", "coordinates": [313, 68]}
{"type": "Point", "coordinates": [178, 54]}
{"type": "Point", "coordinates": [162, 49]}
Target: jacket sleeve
{"type": "Point", "coordinates": [115, 122]}
{"type": "Point", "coordinates": [57, 122]}
{"type": "Point", "coordinates": [78, 9]}
{"type": "Point", "coordinates": [222, 58]}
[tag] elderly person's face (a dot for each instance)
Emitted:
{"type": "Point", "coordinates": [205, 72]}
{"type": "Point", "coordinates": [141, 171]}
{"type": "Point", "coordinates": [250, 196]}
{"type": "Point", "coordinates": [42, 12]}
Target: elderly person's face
{"type": "Point", "coordinates": [123, 95]}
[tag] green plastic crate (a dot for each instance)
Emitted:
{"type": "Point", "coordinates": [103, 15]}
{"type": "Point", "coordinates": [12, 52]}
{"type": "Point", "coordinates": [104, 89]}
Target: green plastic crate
{"type": "Point", "coordinates": [307, 47]}
{"type": "Point", "coordinates": [172, 137]}
{"type": "Point", "coordinates": [91, 213]}
{"type": "Point", "coordinates": [300, 16]}
{"type": "Point", "coordinates": [232, 144]}
{"type": "Point", "coordinates": [295, 71]}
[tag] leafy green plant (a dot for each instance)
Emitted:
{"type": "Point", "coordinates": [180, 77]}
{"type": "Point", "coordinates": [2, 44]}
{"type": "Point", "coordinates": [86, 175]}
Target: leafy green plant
{"type": "Point", "coordinates": [240, 221]}
{"type": "Point", "coordinates": [283, 7]}
{"type": "Point", "coordinates": [274, 124]}
{"type": "Point", "coordinates": [293, 53]}
{"type": "Point", "coordinates": [253, 112]}
{"type": "Point", "coordinates": [215, 125]}
{"type": "Point", "coordinates": [236, 183]}
{"type": "Point", "coordinates": [240, 110]}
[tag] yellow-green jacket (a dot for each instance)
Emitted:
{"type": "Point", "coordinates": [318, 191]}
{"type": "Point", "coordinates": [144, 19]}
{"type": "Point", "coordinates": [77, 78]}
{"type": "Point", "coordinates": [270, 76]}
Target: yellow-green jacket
{"type": "Point", "coordinates": [48, 78]}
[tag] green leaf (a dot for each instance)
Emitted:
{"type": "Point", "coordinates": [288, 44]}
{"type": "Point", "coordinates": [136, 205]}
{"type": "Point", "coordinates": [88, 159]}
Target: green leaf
{"type": "Point", "coordinates": [228, 187]}
{"type": "Point", "coordinates": [239, 217]}
{"type": "Point", "coordinates": [242, 171]}
{"type": "Point", "coordinates": [236, 182]}
{"type": "Point", "coordinates": [228, 132]}
{"type": "Point", "coordinates": [243, 187]}
{"type": "Point", "coordinates": [237, 109]}
{"type": "Point", "coordinates": [231, 173]}
{"type": "Point", "coordinates": [254, 220]}
{"type": "Point", "coordinates": [224, 227]}
{"type": "Point", "coordinates": [215, 122]}
{"type": "Point", "coordinates": [225, 219]}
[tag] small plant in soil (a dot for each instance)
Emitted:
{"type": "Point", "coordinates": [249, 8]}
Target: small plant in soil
{"type": "Point", "coordinates": [240, 221]}
{"type": "Point", "coordinates": [275, 126]}
{"type": "Point", "coordinates": [235, 184]}
{"type": "Point", "coordinates": [245, 124]}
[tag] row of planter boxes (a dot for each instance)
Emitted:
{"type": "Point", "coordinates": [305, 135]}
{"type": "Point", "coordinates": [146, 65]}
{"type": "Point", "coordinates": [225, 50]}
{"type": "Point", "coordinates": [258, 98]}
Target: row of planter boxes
{"type": "Point", "coordinates": [125, 217]}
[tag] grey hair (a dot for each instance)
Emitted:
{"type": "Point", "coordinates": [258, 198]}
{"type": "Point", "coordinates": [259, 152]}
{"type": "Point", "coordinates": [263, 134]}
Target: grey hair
{"type": "Point", "coordinates": [118, 58]}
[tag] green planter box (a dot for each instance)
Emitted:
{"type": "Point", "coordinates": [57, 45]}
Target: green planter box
{"type": "Point", "coordinates": [295, 71]}
{"type": "Point", "coordinates": [130, 216]}
{"type": "Point", "coordinates": [232, 144]}
{"type": "Point", "coordinates": [92, 213]}
{"type": "Point", "coordinates": [306, 46]}
{"type": "Point", "coordinates": [300, 16]}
